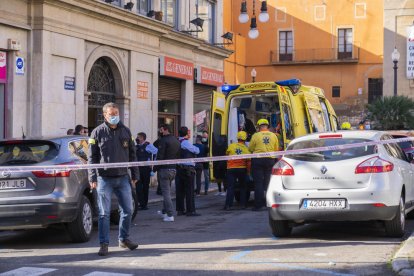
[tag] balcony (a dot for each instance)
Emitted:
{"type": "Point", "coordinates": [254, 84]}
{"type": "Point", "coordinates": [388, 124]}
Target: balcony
{"type": "Point", "coordinates": [315, 56]}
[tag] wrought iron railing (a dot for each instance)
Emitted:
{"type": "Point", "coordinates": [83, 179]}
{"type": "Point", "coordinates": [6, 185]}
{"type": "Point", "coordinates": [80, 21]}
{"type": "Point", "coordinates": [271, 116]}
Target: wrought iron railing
{"type": "Point", "coordinates": [317, 55]}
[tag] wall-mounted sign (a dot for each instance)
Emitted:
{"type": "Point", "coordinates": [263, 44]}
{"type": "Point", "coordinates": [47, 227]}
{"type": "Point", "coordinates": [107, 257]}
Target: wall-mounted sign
{"type": "Point", "coordinates": [69, 83]}
{"type": "Point", "coordinates": [410, 53]}
{"type": "Point", "coordinates": [142, 89]}
{"type": "Point", "coordinates": [3, 67]}
{"type": "Point", "coordinates": [209, 76]}
{"type": "Point", "coordinates": [176, 68]}
{"type": "Point", "coordinates": [199, 117]}
{"type": "Point", "coordinates": [19, 66]}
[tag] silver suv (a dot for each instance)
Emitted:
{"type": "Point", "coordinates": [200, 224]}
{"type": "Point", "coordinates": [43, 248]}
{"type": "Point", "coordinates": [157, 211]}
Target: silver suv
{"type": "Point", "coordinates": [38, 199]}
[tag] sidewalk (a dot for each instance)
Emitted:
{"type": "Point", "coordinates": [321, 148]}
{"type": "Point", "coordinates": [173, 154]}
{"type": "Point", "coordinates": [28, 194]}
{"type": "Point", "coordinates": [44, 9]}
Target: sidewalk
{"type": "Point", "coordinates": [403, 261]}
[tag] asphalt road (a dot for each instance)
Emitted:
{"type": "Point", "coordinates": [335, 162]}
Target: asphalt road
{"type": "Point", "coordinates": [216, 243]}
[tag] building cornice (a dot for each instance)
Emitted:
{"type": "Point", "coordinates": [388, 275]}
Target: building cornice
{"type": "Point", "coordinates": [124, 18]}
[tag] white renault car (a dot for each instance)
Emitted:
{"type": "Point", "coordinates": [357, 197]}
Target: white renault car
{"type": "Point", "coordinates": [357, 184]}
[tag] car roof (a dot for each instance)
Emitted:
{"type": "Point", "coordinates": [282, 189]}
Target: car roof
{"type": "Point", "coordinates": [358, 134]}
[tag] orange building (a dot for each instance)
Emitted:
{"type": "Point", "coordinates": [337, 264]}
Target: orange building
{"type": "Point", "coordinates": [334, 44]}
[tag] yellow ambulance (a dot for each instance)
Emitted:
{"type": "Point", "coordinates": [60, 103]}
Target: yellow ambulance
{"type": "Point", "coordinates": [291, 108]}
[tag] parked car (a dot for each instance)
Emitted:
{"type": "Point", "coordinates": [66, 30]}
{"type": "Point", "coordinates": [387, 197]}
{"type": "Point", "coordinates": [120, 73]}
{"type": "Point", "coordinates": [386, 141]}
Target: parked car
{"type": "Point", "coordinates": [357, 184]}
{"type": "Point", "coordinates": [407, 146]}
{"type": "Point", "coordinates": [38, 199]}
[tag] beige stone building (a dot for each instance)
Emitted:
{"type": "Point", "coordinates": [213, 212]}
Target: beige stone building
{"type": "Point", "coordinates": [398, 24]}
{"type": "Point", "coordinates": [61, 60]}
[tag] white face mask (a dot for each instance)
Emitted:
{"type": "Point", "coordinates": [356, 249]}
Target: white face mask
{"type": "Point", "coordinates": [204, 140]}
{"type": "Point", "coordinates": [113, 120]}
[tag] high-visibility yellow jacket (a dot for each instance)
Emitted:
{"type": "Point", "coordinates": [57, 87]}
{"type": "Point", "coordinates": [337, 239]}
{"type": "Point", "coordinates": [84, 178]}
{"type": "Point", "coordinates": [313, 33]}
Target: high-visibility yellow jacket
{"type": "Point", "coordinates": [264, 141]}
{"type": "Point", "coordinates": [238, 149]}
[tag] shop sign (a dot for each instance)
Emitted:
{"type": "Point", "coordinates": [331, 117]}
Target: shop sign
{"type": "Point", "coordinates": [69, 83]}
{"type": "Point", "coordinates": [19, 66]}
{"type": "Point", "coordinates": [209, 76]}
{"type": "Point", "coordinates": [142, 89]}
{"type": "Point", "coordinates": [3, 67]}
{"type": "Point", "coordinates": [410, 53]}
{"type": "Point", "coordinates": [176, 68]}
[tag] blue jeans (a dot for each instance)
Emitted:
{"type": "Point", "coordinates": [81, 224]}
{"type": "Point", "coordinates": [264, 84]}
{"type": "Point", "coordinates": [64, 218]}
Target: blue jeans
{"type": "Point", "coordinates": [122, 189]}
{"type": "Point", "coordinates": [206, 173]}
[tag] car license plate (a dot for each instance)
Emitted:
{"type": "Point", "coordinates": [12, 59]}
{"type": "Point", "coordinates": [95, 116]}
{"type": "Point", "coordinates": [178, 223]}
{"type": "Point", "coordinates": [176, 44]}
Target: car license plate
{"type": "Point", "coordinates": [309, 204]}
{"type": "Point", "coordinates": [12, 184]}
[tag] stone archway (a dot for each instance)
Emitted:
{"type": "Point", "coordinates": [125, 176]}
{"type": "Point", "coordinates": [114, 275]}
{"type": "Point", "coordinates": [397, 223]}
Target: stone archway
{"type": "Point", "coordinates": [106, 75]}
{"type": "Point", "coordinates": [101, 88]}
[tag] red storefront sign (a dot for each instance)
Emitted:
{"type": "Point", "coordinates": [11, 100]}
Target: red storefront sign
{"type": "Point", "coordinates": [3, 67]}
{"type": "Point", "coordinates": [209, 76]}
{"type": "Point", "coordinates": [176, 68]}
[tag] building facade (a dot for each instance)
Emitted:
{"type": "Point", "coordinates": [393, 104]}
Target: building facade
{"type": "Point", "coordinates": [399, 34]}
{"type": "Point", "coordinates": [335, 45]}
{"type": "Point", "coordinates": [62, 60]}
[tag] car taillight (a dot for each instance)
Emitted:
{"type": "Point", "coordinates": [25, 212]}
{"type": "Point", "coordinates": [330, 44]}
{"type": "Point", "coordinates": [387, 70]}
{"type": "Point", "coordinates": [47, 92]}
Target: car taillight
{"type": "Point", "coordinates": [282, 168]}
{"type": "Point", "coordinates": [54, 173]}
{"type": "Point", "coordinates": [374, 165]}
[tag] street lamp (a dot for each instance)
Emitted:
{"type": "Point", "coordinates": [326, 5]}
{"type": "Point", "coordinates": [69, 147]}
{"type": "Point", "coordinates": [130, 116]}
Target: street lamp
{"type": "Point", "coordinates": [395, 56]}
{"type": "Point", "coordinates": [253, 73]}
{"type": "Point", "coordinates": [244, 17]}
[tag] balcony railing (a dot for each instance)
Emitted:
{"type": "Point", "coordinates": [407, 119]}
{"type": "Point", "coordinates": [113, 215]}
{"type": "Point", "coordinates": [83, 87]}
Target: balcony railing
{"type": "Point", "coordinates": [315, 56]}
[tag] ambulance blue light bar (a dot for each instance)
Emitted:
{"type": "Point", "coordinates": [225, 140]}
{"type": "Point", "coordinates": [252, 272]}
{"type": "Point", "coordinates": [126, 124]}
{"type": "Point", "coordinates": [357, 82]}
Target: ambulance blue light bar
{"type": "Point", "coordinates": [228, 88]}
{"type": "Point", "coordinates": [291, 82]}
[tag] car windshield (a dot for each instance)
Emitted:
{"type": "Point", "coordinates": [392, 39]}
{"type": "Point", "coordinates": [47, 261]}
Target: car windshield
{"type": "Point", "coordinates": [330, 155]}
{"type": "Point", "coordinates": [26, 152]}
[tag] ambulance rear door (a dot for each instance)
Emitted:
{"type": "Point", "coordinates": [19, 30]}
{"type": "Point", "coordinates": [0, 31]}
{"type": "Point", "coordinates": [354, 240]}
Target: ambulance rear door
{"type": "Point", "coordinates": [314, 112]}
{"type": "Point", "coordinates": [286, 117]}
{"type": "Point", "coordinates": [218, 129]}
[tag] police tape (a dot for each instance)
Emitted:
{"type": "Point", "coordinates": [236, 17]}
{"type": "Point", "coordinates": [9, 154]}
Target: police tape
{"type": "Point", "coordinates": [68, 167]}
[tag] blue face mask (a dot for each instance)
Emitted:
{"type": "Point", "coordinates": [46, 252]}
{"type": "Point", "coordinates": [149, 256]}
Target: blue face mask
{"type": "Point", "coordinates": [114, 120]}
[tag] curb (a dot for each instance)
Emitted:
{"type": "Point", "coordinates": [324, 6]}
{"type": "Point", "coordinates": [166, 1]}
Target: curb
{"type": "Point", "coordinates": [401, 260]}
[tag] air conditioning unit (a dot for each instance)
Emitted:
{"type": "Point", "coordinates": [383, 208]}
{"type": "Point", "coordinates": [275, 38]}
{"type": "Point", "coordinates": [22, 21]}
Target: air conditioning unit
{"type": "Point", "coordinates": [14, 45]}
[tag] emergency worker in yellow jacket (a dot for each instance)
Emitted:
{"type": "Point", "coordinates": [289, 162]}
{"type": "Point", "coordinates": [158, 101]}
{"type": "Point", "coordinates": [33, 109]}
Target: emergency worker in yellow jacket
{"type": "Point", "coordinates": [237, 170]}
{"type": "Point", "coordinates": [262, 141]}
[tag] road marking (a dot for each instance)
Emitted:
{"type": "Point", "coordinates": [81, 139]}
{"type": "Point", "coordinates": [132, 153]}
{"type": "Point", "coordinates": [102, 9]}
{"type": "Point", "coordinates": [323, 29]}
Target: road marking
{"type": "Point", "coordinates": [24, 271]}
{"type": "Point", "coordinates": [99, 273]}
{"type": "Point", "coordinates": [240, 255]}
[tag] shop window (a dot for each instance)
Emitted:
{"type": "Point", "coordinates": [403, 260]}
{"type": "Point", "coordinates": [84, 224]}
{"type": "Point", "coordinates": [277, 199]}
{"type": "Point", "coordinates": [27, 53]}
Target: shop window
{"type": "Point", "coordinates": [169, 12]}
{"type": "Point", "coordinates": [285, 45]}
{"type": "Point", "coordinates": [336, 91]}
{"type": "Point", "coordinates": [345, 42]}
{"type": "Point", "coordinates": [168, 106]}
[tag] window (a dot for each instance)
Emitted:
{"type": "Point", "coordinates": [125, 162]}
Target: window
{"type": "Point", "coordinates": [169, 11]}
{"type": "Point", "coordinates": [330, 155]}
{"type": "Point", "coordinates": [336, 91]}
{"type": "Point", "coordinates": [285, 45]}
{"type": "Point", "coordinates": [79, 150]}
{"type": "Point", "coordinates": [205, 10]}
{"type": "Point", "coordinates": [345, 43]}
{"type": "Point", "coordinates": [287, 118]}
{"type": "Point", "coordinates": [325, 115]}
{"type": "Point", "coordinates": [27, 152]}
{"type": "Point", "coordinates": [143, 6]}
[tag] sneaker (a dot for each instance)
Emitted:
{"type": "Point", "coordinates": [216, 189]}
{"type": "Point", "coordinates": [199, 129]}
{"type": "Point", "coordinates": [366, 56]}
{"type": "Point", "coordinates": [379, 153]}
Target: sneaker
{"type": "Point", "coordinates": [128, 244]}
{"type": "Point", "coordinates": [161, 214]}
{"type": "Point", "coordinates": [168, 219]}
{"type": "Point", "coordinates": [223, 194]}
{"type": "Point", "coordinates": [103, 251]}
{"type": "Point", "coordinates": [218, 193]}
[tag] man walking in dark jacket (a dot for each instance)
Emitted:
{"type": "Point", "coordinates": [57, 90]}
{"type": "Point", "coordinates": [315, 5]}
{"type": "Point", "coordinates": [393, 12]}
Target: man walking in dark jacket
{"type": "Point", "coordinates": [112, 142]}
{"type": "Point", "coordinates": [168, 148]}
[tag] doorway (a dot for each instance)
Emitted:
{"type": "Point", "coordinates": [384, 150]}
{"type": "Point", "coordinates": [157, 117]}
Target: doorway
{"type": "Point", "coordinates": [374, 89]}
{"type": "Point", "coordinates": [101, 85]}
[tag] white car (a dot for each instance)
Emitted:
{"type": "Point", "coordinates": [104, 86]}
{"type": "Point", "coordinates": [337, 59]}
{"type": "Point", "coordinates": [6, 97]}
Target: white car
{"type": "Point", "coordinates": [358, 184]}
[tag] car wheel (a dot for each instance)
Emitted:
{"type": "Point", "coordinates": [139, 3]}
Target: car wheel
{"type": "Point", "coordinates": [396, 226]}
{"type": "Point", "coordinates": [116, 214]}
{"type": "Point", "coordinates": [280, 228]}
{"type": "Point", "coordinates": [81, 228]}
